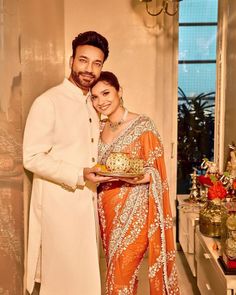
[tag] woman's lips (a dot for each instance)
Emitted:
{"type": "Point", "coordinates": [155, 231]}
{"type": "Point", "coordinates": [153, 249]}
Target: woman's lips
{"type": "Point", "coordinates": [104, 108]}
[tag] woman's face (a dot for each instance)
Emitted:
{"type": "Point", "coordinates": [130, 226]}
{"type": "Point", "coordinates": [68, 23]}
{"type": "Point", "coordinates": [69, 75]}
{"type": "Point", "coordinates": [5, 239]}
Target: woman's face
{"type": "Point", "coordinates": [105, 98]}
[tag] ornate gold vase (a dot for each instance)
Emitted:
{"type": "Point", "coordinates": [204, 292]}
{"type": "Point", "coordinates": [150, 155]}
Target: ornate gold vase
{"type": "Point", "coordinates": [118, 162]}
{"type": "Point", "coordinates": [136, 166]}
{"type": "Point", "coordinates": [210, 218]}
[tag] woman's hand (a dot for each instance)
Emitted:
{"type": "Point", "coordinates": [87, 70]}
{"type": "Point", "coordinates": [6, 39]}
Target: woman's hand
{"type": "Point", "coordinates": [137, 180]}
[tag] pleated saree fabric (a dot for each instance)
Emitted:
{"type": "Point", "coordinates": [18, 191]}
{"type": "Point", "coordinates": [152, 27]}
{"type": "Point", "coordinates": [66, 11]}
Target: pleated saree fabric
{"type": "Point", "coordinates": [137, 218]}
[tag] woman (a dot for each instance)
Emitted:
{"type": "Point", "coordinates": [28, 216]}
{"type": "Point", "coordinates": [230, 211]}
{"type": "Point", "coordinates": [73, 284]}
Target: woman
{"type": "Point", "coordinates": [134, 214]}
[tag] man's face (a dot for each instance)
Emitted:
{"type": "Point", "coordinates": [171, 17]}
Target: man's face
{"type": "Point", "coordinates": [86, 66]}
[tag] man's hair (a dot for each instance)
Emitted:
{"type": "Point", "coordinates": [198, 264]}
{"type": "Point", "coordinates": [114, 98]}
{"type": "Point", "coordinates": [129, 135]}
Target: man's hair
{"type": "Point", "coordinates": [109, 78]}
{"type": "Point", "coordinates": [91, 38]}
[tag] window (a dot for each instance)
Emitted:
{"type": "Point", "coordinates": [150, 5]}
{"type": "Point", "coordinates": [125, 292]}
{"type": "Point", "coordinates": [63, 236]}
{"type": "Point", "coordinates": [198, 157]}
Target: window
{"type": "Point", "coordinates": [197, 84]}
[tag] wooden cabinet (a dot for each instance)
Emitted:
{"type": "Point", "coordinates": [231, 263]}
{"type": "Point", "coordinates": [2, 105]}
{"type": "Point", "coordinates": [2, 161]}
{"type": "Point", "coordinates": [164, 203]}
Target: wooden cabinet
{"type": "Point", "coordinates": [199, 252]}
{"type": "Point", "coordinates": [187, 221]}
{"type": "Point", "coordinates": [211, 279]}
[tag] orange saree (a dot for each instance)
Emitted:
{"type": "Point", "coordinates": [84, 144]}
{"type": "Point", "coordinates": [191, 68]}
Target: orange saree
{"type": "Point", "coordinates": [134, 218]}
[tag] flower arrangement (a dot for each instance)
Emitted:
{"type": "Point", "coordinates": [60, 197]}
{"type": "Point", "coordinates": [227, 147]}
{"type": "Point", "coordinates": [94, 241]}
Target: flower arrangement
{"type": "Point", "coordinates": [216, 189]}
{"type": "Point", "coordinates": [205, 180]}
{"type": "Point", "coordinates": [216, 183]}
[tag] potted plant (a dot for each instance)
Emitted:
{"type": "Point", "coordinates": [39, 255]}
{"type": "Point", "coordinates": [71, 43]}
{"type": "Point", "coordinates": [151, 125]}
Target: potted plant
{"type": "Point", "coordinates": [195, 135]}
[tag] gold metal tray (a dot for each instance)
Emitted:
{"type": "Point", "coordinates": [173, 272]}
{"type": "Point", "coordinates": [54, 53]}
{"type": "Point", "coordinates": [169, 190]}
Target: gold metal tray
{"type": "Point", "coordinates": [119, 174]}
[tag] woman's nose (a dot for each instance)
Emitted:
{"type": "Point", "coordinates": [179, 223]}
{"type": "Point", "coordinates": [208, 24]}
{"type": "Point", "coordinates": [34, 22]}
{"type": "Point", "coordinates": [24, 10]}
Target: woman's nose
{"type": "Point", "coordinates": [100, 101]}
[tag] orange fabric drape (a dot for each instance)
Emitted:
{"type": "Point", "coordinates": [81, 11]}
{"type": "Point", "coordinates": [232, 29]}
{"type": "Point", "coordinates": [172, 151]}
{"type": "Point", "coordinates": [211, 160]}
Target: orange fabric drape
{"type": "Point", "coordinates": [135, 218]}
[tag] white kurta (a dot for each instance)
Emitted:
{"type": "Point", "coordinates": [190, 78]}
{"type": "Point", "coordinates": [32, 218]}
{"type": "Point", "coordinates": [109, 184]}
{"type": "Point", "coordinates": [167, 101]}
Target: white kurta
{"type": "Point", "coordinates": [60, 139]}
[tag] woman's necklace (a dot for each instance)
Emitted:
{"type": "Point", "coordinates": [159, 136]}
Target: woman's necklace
{"type": "Point", "coordinates": [114, 125]}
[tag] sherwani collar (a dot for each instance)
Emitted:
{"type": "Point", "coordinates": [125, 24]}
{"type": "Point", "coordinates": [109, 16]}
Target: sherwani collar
{"type": "Point", "coordinates": [78, 93]}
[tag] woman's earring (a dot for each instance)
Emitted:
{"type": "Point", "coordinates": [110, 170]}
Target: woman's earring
{"type": "Point", "coordinates": [121, 102]}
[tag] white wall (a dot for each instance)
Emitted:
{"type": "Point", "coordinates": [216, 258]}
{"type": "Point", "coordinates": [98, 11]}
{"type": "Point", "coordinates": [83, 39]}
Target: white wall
{"type": "Point", "coordinates": [230, 86]}
{"type": "Point", "coordinates": [42, 47]}
{"type": "Point", "coordinates": [144, 59]}
{"type": "Point", "coordinates": [225, 93]}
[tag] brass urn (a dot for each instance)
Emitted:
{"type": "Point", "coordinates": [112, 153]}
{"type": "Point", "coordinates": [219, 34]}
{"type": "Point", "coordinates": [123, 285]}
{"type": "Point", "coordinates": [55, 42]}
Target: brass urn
{"type": "Point", "coordinates": [210, 218]}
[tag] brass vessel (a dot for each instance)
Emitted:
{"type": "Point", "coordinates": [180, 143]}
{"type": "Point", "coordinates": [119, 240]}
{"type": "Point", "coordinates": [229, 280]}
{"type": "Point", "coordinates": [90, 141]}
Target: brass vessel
{"type": "Point", "coordinates": [210, 218]}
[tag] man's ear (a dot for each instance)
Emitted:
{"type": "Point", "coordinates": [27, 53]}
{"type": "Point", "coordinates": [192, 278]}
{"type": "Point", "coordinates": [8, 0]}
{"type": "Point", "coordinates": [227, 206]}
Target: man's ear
{"type": "Point", "coordinates": [71, 62]}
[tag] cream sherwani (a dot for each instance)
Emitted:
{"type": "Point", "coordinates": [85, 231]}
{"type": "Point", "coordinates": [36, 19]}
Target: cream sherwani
{"type": "Point", "coordinates": [60, 139]}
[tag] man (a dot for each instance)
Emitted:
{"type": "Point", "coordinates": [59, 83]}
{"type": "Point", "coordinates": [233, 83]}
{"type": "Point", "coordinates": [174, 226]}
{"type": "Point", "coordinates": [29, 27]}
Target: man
{"type": "Point", "coordinates": [60, 141]}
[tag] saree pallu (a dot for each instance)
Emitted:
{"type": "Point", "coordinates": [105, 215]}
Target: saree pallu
{"type": "Point", "coordinates": [134, 218]}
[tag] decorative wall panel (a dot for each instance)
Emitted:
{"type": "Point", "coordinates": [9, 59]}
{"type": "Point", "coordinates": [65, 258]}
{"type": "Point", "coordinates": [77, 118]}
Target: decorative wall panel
{"type": "Point", "coordinates": [11, 170]}
{"type": "Point", "coordinates": [31, 61]}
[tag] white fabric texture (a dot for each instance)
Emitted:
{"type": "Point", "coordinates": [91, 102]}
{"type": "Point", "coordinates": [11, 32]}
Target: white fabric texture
{"type": "Point", "coordinates": [63, 223]}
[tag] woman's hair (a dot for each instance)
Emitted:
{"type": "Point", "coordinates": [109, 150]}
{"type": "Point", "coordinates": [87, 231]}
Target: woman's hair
{"type": "Point", "coordinates": [109, 78]}
{"type": "Point", "coordinates": [91, 38]}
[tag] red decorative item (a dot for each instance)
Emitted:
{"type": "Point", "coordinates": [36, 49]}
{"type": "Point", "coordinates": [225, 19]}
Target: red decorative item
{"type": "Point", "coordinates": [205, 180]}
{"type": "Point", "coordinates": [229, 263]}
{"type": "Point", "coordinates": [217, 191]}
{"type": "Point", "coordinates": [234, 184]}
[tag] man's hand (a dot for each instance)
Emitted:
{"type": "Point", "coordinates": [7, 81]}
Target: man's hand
{"type": "Point", "coordinates": [90, 174]}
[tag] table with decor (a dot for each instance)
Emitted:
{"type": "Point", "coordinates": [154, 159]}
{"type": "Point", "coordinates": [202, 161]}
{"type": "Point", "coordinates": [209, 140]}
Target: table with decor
{"type": "Point", "coordinates": [207, 229]}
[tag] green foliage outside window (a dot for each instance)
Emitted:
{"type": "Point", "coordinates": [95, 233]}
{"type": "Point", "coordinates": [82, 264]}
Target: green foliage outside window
{"type": "Point", "coordinates": [195, 135]}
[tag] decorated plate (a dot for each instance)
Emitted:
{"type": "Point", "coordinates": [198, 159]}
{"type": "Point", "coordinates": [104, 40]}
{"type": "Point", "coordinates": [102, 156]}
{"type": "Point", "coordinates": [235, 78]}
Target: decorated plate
{"type": "Point", "coordinates": [119, 174]}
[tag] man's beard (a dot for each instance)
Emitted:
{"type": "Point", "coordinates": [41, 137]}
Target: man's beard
{"type": "Point", "coordinates": [81, 81]}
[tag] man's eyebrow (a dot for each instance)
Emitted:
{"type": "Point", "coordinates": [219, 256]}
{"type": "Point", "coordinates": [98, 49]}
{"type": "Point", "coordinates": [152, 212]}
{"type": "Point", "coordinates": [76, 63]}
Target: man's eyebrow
{"type": "Point", "coordinates": [97, 60]}
{"type": "Point", "coordinates": [83, 56]}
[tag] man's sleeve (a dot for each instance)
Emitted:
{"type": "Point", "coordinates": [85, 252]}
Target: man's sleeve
{"type": "Point", "coordinates": [37, 143]}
